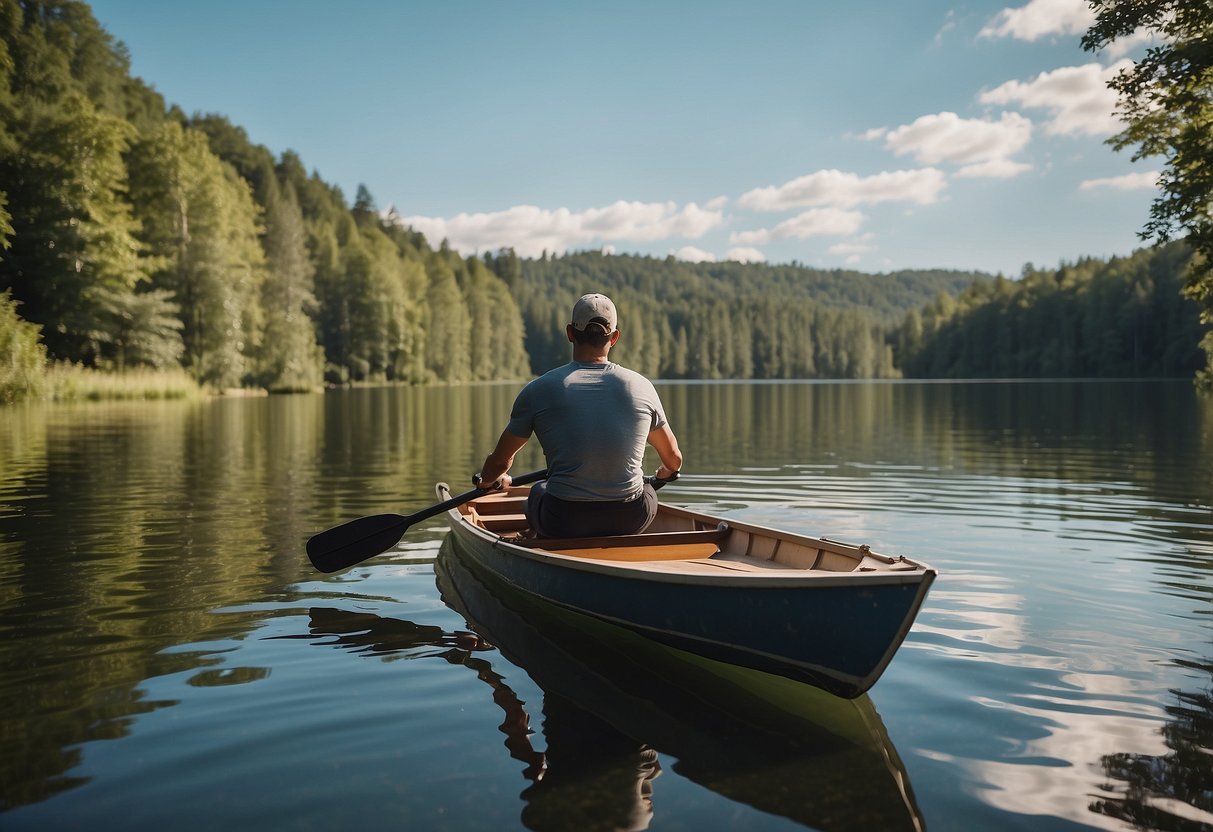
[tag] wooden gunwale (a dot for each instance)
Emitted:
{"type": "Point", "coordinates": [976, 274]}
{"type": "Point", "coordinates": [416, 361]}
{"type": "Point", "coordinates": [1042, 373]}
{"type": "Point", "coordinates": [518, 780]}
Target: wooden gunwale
{"type": "Point", "coordinates": [733, 559]}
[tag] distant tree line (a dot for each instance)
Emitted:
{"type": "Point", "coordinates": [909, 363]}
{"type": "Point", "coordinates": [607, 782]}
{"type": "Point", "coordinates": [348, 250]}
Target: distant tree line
{"type": "Point", "coordinates": [1120, 318]}
{"type": "Point", "coordinates": [724, 320]}
{"type": "Point", "coordinates": [132, 235]}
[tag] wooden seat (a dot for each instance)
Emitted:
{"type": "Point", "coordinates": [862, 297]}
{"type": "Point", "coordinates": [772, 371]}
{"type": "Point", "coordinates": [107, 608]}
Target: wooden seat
{"type": "Point", "coordinates": [670, 551]}
{"type": "Point", "coordinates": [686, 545]}
{"type": "Point", "coordinates": [503, 522]}
{"type": "Point", "coordinates": [500, 504]}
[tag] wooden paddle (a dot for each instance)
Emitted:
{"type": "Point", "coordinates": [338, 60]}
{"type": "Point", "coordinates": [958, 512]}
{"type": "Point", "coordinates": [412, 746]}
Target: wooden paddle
{"type": "Point", "coordinates": [350, 543]}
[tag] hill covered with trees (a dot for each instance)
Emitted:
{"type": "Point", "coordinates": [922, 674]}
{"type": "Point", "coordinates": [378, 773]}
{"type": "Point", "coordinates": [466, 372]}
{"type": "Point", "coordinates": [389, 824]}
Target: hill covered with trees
{"type": "Point", "coordinates": [133, 235]}
{"type": "Point", "coordinates": [136, 236]}
{"type": "Point", "coordinates": [725, 320]}
{"type": "Point", "coordinates": [1093, 319]}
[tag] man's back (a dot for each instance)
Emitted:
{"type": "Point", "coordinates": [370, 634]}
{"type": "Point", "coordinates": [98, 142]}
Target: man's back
{"type": "Point", "coordinates": [593, 420]}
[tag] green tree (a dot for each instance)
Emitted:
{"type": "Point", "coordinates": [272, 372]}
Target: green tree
{"type": "Point", "coordinates": [8, 31]}
{"type": "Point", "coordinates": [449, 326]}
{"type": "Point", "coordinates": [73, 233]}
{"type": "Point", "coordinates": [200, 215]}
{"type": "Point", "coordinates": [22, 356]}
{"type": "Point", "coordinates": [1121, 318]}
{"type": "Point", "coordinates": [290, 358]}
{"type": "Point", "coordinates": [142, 328]}
{"type": "Point", "coordinates": [1166, 100]}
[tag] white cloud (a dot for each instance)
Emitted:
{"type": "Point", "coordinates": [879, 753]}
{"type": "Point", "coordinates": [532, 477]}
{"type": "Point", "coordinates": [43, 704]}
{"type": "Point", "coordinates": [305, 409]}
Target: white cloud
{"type": "Point", "coordinates": [531, 230]}
{"type": "Point", "coordinates": [717, 203]}
{"type": "Point", "coordinates": [1129, 182]}
{"type": "Point", "coordinates": [855, 247]}
{"type": "Point", "coordinates": [994, 169]}
{"type": "Point", "coordinates": [744, 254]}
{"type": "Point", "coordinates": [980, 146]}
{"type": "Point", "coordinates": [837, 189]}
{"type": "Point", "coordinates": [691, 254]}
{"type": "Point", "coordinates": [1077, 97]}
{"type": "Point", "coordinates": [816, 222]}
{"type": "Point", "coordinates": [1123, 46]}
{"type": "Point", "coordinates": [1040, 18]}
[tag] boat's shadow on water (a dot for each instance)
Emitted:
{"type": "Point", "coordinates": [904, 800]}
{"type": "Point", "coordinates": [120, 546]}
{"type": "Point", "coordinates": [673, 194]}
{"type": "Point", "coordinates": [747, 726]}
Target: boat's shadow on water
{"type": "Point", "coordinates": [613, 701]}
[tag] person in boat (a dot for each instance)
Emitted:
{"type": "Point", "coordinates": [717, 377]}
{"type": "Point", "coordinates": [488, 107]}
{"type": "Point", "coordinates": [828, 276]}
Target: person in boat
{"type": "Point", "coordinates": [593, 420]}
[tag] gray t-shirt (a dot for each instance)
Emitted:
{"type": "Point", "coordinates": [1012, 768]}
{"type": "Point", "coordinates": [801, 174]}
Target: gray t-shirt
{"type": "Point", "coordinates": [592, 421]}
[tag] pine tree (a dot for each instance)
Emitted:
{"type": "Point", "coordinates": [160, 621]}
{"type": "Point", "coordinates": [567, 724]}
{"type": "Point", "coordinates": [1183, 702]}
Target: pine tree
{"type": "Point", "coordinates": [290, 359]}
{"type": "Point", "coordinates": [201, 215]}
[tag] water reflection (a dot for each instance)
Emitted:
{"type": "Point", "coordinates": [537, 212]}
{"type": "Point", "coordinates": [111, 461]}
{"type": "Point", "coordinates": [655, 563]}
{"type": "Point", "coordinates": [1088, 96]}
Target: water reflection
{"type": "Point", "coordinates": [613, 702]}
{"type": "Point", "coordinates": [1171, 789]}
{"type": "Point", "coordinates": [1061, 665]}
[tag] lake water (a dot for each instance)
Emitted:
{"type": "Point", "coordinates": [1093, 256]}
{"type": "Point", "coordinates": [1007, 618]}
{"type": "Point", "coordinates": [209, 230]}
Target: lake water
{"type": "Point", "coordinates": [170, 660]}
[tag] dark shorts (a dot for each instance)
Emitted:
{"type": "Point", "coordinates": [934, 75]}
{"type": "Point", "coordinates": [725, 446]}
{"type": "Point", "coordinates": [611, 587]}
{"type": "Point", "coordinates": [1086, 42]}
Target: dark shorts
{"type": "Point", "coordinates": [553, 517]}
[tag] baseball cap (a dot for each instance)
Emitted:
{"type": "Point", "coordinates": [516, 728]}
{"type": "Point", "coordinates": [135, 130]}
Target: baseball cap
{"type": "Point", "coordinates": [595, 308]}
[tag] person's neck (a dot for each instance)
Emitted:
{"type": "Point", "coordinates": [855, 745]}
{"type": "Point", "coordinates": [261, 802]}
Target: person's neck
{"type": "Point", "coordinates": [590, 354]}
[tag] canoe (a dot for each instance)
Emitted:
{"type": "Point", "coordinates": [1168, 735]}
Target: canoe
{"type": "Point", "coordinates": [613, 700]}
{"type": "Point", "coordinates": [812, 609]}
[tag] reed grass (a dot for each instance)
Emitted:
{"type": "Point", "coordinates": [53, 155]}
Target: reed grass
{"type": "Point", "coordinates": [66, 382]}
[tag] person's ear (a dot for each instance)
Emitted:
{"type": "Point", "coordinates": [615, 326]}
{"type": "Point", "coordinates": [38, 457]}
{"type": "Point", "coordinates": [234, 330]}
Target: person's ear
{"type": "Point", "coordinates": [614, 337]}
{"type": "Point", "coordinates": [568, 333]}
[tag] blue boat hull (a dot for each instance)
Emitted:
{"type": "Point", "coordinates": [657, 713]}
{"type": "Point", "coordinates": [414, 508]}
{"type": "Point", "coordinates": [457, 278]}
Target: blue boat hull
{"type": "Point", "coordinates": [836, 634]}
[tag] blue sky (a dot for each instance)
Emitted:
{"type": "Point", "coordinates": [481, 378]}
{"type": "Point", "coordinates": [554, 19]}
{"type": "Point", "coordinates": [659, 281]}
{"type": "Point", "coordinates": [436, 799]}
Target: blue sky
{"type": "Point", "coordinates": [866, 135]}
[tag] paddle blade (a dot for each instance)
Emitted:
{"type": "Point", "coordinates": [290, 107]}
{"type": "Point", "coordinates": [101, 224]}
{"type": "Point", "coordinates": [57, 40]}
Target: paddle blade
{"type": "Point", "coordinates": [353, 542]}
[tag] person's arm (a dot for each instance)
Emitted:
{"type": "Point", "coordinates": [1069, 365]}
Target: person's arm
{"type": "Point", "coordinates": [666, 444]}
{"type": "Point", "coordinates": [497, 463]}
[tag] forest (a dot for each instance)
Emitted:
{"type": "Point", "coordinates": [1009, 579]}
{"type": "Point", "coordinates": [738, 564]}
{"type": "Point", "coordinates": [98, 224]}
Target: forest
{"type": "Point", "coordinates": [133, 235]}
{"type": "Point", "coordinates": [1122, 318]}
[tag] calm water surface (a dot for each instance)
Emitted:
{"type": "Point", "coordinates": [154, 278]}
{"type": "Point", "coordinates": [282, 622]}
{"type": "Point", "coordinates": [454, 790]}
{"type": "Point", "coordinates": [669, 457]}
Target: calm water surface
{"type": "Point", "coordinates": [168, 659]}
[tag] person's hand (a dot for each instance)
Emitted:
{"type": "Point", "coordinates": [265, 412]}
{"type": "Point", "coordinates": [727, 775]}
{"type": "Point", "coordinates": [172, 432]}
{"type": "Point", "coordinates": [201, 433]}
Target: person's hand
{"type": "Point", "coordinates": [504, 481]}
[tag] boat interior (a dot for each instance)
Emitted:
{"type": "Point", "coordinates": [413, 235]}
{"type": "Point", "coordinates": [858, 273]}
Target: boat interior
{"type": "Point", "coordinates": [694, 541]}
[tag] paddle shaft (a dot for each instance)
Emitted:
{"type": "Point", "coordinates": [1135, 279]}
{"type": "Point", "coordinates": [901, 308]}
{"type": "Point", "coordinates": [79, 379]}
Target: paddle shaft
{"type": "Point", "coordinates": [351, 543]}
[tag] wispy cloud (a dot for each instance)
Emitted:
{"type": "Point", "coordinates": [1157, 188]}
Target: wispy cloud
{"type": "Point", "coordinates": [745, 254]}
{"type": "Point", "coordinates": [980, 147]}
{"type": "Point", "coordinates": [1129, 182]}
{"type": "Point", "coordinates": [1077, 97]}
{"type": "Point", "coordinates": [816, 222]}
{"type": "Point", "coordinates": [531, 230]}
{"type": "Point", "coordinates": [839, 189]}
{"type": "Point", "coordinates": [949, 23]}
{"type": "Point", "coordinates": [692, 254]}
{"type": "Point", "coordinates": [852, 250]}
{"type": "Point", "coordinates": [859, 245]}
{"type": "Point", "coordinates": [1039, 19]}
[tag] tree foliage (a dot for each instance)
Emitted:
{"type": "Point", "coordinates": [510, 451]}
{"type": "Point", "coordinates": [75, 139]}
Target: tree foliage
{"type": "Point", "coordinates": [723, 320]}
{"type": "Point", "coordinates": [1117, 319]}
{"type": "Point", "coordinates": [1166, 100]}
{"type": "Point", "coordinates": [133, 235]}
{"type": "Point", "coordinates": [22, 356]}
{"type": "Point", "coordinates": [136, 235]}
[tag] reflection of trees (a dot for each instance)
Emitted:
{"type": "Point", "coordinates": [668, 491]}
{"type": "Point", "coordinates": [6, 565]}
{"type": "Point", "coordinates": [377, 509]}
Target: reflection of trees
{"type": "Point", "coordinates": [124, 525]}
{"type": "Point", "coordinates": [1156, 785]}
{"type": "Point", "coordinates": [1066, 431]}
